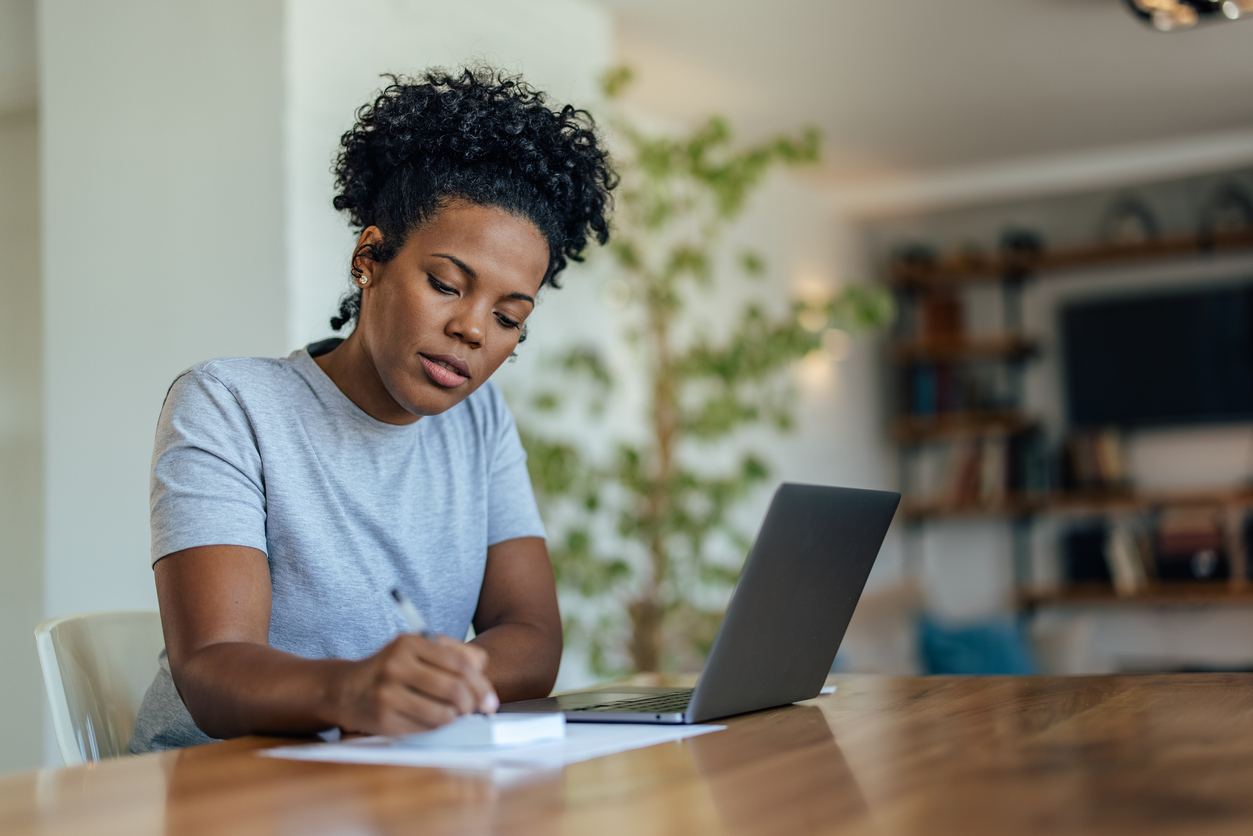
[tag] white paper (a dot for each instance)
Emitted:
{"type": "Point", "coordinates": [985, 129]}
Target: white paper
{"type": "Point", "coordinates": [583, 741]}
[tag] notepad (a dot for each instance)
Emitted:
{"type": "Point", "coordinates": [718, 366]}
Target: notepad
{"type": "Point", "coordinates": [500, 730]}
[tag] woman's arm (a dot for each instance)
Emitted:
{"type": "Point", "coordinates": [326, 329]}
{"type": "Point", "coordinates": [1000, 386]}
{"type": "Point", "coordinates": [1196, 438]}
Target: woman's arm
{"type": "Point", "coordinates": [215, 611]}
{"type": "Point", "coordinates": [517, 620]}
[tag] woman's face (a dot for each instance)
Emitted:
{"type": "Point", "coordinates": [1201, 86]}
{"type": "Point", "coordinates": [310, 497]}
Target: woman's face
{"type": "Point", "coordinates": [439, 318]}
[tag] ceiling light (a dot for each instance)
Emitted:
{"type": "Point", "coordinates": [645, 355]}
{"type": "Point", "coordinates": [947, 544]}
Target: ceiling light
{"type": "Point", "coordinates": [1173, 15]}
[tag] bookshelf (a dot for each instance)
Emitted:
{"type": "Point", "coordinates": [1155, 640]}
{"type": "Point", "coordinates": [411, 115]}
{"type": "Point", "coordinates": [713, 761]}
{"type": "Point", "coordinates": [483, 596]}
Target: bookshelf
{"type": "Point", "coordinates": [1000, 268]}
{"type": "Point", "coordinates": [1077, 503]}
{"type": "Point", "coordinates": [1229, 503]}
{"type": "Point", "coordinates": [931, 350]}
{"type": "Point", "coordinates": [991, 346]}
{"type": "Point", "coordinates": [1180, 594]}
{"type": "Point", "coordinates": [913, 429]}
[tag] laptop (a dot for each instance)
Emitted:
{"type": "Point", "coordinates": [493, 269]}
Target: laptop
{"type": "Point", "coordinates": [785, 621]}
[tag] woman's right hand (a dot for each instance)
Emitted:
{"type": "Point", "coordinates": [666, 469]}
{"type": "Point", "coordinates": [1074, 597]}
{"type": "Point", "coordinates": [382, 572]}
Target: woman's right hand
{"type": "Point", "coordinates": [414, 684]}
{"type": "Point", "coordinates": [215, 611]}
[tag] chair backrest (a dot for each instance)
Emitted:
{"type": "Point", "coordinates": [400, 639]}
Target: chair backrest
{"type": "Point", "coordinates": [96, 668]}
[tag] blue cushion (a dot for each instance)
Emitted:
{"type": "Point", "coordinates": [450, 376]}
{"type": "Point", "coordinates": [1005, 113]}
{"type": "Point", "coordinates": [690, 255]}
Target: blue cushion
{"type": "Point", "coordinates": [988, 646]}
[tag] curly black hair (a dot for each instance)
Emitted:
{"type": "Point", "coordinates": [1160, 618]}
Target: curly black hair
{"type": "Point", "coordinates": [481, 136]}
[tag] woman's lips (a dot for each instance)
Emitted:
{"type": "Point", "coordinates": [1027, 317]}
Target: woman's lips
{"type": "Point", "coordinates": [445, 370]}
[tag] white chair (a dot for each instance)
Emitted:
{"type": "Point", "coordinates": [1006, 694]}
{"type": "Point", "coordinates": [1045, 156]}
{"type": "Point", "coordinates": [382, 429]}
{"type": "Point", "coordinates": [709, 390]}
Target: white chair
{"type": "Point", "coordinates": [96, 667]}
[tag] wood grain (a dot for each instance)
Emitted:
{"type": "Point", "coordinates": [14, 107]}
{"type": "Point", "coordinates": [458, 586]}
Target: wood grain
{"type": "Point", "coordinates": [1144, 755]}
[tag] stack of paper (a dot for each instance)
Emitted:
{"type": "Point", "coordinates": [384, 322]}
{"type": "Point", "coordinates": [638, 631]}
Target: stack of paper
{"type": "Point", "coordinates": [478, 730]}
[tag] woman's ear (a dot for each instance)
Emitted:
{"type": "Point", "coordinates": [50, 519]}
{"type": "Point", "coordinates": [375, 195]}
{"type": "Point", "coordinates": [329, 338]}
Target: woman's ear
{"type": "Point", "coordinates": [367, 248]}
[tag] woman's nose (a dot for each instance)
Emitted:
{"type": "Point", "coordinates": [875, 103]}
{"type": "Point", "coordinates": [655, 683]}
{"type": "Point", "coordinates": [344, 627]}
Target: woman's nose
{"type": "Point", "coordinates": [467, 326]}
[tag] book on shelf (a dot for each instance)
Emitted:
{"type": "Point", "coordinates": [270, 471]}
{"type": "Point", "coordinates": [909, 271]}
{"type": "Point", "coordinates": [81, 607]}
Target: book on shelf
{"type": "Point", "coordinates": [964, 473]}
{"type": "Point", "coordinates": [1094, 460]}
{"type": "Point", "coordinates": [941, 316]}
{"type": "Point", "coordinates": [947, 397]}
{"type": "Point", "coordinates": [934, 389]}
{"type": "Point", "coordinates": [993, 472]}
{"type": "Point", "coordinates": [1190, 545]}
{"type": "Point", "coordinates": [1028, 464]}
{"type": "Point", "coordinates": [975, 472]}
{"type": "Point", "coordinates": [1133, 552]}
{"type": "Point", "coordinates": [1125, 560]}
{"type": "Point", "coordinates": [982, 471]}
{"type": "Point", "coordinates": [922, 390]}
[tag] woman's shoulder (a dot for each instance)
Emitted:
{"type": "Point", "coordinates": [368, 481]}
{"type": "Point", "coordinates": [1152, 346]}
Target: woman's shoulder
{"type": "Point", "coordinates": [231, 371]}
{"type": "Point", "coordinates": [243, 378]}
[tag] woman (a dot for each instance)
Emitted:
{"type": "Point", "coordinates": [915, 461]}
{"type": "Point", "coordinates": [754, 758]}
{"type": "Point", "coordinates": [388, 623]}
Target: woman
{"type": "Point", "coordinates": [289, 496]}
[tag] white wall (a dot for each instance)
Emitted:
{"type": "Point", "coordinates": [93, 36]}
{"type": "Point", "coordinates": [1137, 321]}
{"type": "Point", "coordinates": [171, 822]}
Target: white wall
{"type": "Point", "coordinates": [21, 460]}
{"type": "Point", "coordinates": [163, 245]}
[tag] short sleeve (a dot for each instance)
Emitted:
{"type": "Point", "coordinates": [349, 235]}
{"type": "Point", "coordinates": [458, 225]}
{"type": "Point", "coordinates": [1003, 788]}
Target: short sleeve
{"type": "Point", "coordinates": [207, 485]}
{"type": "Point", "coordinates": [511, 508]}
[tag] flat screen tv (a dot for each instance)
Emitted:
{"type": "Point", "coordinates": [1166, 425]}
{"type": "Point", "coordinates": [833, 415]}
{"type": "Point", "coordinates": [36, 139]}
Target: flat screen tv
{"type": "Point", "coordinates": [1172, 358]}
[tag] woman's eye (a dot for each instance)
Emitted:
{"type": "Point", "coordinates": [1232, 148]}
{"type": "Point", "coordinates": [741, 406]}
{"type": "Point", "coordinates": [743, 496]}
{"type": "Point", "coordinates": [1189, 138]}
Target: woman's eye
{"type": "Point", "coordinates": [441, 287]}
{"type": "Point", "coordinates": [507, 322]}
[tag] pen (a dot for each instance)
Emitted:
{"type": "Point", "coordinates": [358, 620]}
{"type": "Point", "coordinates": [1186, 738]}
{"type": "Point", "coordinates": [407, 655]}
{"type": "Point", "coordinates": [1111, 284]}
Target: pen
{"type": "Point", "coordinates": [417, 624]}
{"type": "Point", "coordinates": [411, 615]}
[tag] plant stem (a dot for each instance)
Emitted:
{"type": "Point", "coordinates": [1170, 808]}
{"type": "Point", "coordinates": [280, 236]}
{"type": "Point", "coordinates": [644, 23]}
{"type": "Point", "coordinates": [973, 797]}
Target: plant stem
{"type": "Point", "coordinates": [648, 611]}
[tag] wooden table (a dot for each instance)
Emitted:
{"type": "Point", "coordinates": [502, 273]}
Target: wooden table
{"type": "Point", "coordinates": [1162, 754]}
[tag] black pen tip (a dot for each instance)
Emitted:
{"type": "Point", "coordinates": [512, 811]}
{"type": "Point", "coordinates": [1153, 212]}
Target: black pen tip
{"type": "Point", "coordinates": [396, 593]}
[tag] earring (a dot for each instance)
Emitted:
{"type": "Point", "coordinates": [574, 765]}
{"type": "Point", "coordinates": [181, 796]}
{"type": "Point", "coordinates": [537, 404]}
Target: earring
{"type": "Point", "coordinates": [359, 276]}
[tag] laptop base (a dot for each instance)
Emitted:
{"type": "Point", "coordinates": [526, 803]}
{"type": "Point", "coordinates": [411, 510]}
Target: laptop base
{"type": "Point", "coordinates": [610, 705]}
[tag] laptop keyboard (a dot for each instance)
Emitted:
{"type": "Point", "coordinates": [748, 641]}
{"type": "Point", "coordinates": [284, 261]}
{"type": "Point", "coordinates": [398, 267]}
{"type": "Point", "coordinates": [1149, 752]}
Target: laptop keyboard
{"type": "Point", "coordinates": [663, 704]}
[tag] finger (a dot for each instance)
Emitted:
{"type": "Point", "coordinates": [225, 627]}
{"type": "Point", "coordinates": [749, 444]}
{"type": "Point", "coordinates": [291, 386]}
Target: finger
{"type": "Point", "coordinates": [476, 676]}
{"type": "Point", "coordinates": [485, 699]}
{"type": "Point", "coordinates": [464, 661]}
{"type": "Point", "coordinates": [406, 711]}
{"type": "Point", "coordinates": [439, 652]}
{"type": "Point", "coordinates": [441, 673]}
{"type": "Point", "coordinates": [447, 687]}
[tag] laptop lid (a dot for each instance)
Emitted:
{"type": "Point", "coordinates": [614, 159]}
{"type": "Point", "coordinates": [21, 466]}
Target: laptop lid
{"type": "Point", "coordinates": [794, 599]}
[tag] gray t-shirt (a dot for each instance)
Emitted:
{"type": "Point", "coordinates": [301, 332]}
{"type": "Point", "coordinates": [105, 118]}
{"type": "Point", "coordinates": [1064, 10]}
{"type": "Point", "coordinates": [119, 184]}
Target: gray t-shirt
{"type": "Point", "coordinates": [271, 454]}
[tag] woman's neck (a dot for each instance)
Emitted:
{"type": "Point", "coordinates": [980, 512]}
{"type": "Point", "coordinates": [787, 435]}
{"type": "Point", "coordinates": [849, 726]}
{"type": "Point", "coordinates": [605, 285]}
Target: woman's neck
{"type": "Point", "coordinates": [350, 368]}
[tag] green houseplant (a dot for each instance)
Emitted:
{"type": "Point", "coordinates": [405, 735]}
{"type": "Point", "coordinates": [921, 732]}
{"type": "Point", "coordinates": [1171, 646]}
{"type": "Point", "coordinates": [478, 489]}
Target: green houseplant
{"type": "Point", "coordinates": [639, 528]}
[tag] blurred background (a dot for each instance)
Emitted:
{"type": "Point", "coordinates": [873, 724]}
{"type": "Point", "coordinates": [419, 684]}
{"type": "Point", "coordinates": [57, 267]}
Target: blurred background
{"type": "Point", "coordinates": [1057, 195]}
